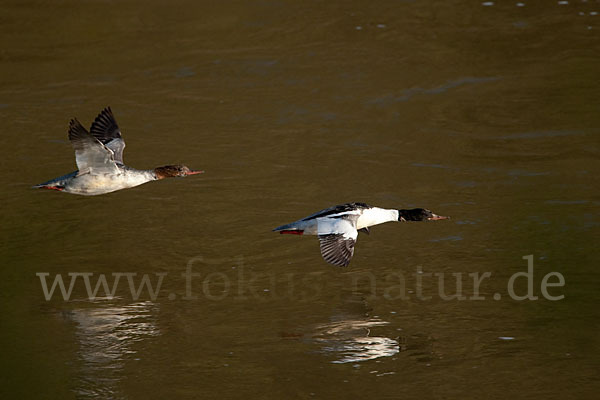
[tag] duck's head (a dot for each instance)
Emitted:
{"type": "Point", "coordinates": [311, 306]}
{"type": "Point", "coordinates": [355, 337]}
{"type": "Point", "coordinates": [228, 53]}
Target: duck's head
{"type": "Point", "coordinates": [418, 214]}
{"type": "Point", "coordinates": [172, 171]}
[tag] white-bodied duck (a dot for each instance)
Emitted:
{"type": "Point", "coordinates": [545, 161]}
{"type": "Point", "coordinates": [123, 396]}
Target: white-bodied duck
{"type": "Point", "coordinates": [338, 226]}
{"type": "Point", "coordinates": [99, 158]}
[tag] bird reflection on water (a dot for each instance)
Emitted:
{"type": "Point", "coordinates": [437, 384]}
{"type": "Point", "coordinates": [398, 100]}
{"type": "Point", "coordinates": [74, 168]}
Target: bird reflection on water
{"type": "Point", "coordinates": [348, 336]}
{"type": "Point", "coordinates": [106, 338]}
{"type": "Point", "coordinates": [350, 340]}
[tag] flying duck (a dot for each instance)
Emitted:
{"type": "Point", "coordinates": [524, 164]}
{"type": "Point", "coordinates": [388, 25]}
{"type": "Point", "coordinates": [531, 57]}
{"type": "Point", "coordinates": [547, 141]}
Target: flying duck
{"type": "Point", "coordinates": [99, 158]}
{"type": "Point", "coordinates": [338, 226]}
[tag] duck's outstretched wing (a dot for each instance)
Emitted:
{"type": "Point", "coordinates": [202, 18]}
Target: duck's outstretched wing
{"type": "Point", "coordinates": [105, 129]}
{"type": "Point", "coordinates": [91, 156]}
{"type": "Point", "coordinates": [337, 237]}
{"type": "Point", "coordinates": [337, 249]}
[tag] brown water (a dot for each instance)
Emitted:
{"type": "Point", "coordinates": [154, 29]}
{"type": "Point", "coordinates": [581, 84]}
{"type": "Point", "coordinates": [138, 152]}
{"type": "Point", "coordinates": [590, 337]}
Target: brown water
{"type": "Point", "coordinates": [485, 113]}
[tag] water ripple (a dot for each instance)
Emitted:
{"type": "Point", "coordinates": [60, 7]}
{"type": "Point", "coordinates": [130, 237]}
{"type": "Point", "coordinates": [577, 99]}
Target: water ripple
{"type": "Point", "coordinates": [407, 94]}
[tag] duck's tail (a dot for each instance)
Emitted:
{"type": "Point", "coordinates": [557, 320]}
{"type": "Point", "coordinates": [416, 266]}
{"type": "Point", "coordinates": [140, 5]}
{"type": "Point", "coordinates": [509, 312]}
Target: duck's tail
{"type": "Point", "coordinates": [289, 229]}
{"type": "Point", "coordinates": [50, 187]}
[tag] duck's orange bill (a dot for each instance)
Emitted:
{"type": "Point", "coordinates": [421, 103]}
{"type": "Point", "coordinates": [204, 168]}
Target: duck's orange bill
{"type": "Point", "coordinates": [436, 217]}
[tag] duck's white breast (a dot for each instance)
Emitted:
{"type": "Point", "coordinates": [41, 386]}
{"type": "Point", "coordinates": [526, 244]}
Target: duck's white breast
{"type": "Point", "coordinates": [375, 215]}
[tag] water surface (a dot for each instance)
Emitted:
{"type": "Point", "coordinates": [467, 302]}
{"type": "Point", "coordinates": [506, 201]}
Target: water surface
{"type": "Point", "coordinates": [487, 113]}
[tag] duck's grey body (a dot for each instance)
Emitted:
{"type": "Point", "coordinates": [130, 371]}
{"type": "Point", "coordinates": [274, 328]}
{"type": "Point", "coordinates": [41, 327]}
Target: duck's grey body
{"type": "Point", "coordinates": [91, 184]}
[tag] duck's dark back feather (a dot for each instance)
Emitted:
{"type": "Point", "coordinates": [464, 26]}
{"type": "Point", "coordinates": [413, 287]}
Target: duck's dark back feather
{"type": "Point", "coordinates": [337, 209]}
